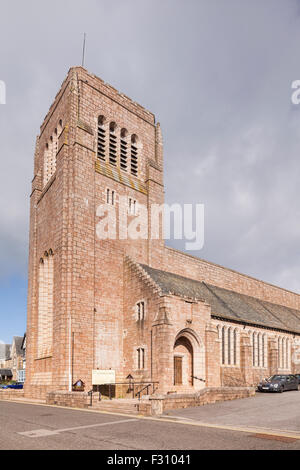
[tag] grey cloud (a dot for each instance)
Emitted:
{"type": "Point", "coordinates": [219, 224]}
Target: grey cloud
{"type": "Point", "coordinates": [216, 73]}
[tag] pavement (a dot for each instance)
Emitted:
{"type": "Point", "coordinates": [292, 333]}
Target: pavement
{"type": "Point", "coordinates": [266, 421]}
{"type": "Point", "coordinates": [279, 412]}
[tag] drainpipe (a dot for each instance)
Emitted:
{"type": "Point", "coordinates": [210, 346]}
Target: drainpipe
{"type": "Point", "coordinates": [70, 355]}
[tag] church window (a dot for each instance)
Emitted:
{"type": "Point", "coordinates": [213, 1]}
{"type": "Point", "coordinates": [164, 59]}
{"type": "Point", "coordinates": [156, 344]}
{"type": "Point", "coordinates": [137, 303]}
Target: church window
{"type": "Point", "coordinates": [134, 156]}
{"type": "Point", "coordinates": [132, 206]}
{"type": "Point", "coordinates": [254, 343]}
{"type": "Point", "coordinates": [101, 138]}
{"type": "Point", "coordinates": [229, 345]}
{"type": "Point", "coordinates": [223, 345]}
{"type": "Point", "coordinates": [263, 347]}
{"type": "Point", "coordinates": [123, 150]}
{"type": "Point", "coordinates": [112, 144]}
{"type": "Point", "coordinates": [235, 347]}
{"type": "Point", "coordinates": [141, 311]}
{"type": "Point", "coordinates": [141, 358]}
{"type": "Point", "coordinates": [110, 197]}
{"type": "Point", "coordinates": [280, 348]}
{"type": "Point", "coordinates": [287, 354]}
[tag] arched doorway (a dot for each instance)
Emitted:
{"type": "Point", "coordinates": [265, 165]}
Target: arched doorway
{"type": "Point", "coordinates": [183, 362]}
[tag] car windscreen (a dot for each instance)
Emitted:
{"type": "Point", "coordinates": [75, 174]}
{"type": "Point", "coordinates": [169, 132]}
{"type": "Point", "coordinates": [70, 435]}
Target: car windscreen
{"type": "Point", "coordinates": [276, 377]}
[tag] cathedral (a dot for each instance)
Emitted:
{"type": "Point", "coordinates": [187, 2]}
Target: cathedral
{"type": "Point", "coordinates": [124, 308]}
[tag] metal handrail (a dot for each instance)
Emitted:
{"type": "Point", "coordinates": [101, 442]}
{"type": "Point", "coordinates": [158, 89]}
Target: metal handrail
{"type": "Point", "coordinates": [131, 385]}
{"type": "Point", "coordinates": [90, 394]}
{"type": "Point", "coordinates": [144, 388]}
{"type": "Point", "coordinates": [197, 378]}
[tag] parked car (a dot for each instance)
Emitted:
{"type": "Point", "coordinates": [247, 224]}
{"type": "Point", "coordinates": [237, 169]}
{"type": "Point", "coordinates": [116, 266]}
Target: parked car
{"type": "Point", "coordinates": [278, 383]}
{"type": "Point", "coordinates": [17, 386]}
{"type": "Point", "coordinates": [298, 377]}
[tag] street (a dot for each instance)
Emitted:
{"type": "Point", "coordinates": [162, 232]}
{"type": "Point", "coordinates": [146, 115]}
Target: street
{"type": "Point", "coordinates": [266, 421]}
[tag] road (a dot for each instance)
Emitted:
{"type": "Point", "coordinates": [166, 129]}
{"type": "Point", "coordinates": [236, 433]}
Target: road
{"type": "Point", "coordinates": [262, 422]}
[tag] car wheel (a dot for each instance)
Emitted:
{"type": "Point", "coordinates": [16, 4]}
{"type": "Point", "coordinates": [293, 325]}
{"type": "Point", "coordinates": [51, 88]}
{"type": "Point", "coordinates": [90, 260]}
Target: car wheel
{"type": "Point", "coordinates": [281, 389]}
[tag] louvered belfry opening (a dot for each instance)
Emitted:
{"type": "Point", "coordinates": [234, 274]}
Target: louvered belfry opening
{"type": "Point", "coordinates": [124, 150]}
{"type": "Point", "coordinates": [101, 138]}
{"type": "Point", "coordinates": [112, 144]}
{"type": "Point", "coordinates": [134, 156]}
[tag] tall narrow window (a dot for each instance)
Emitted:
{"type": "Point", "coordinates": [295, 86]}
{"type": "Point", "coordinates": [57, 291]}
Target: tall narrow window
{"type": "Point", "coordinates": [235, 347]}
{"type": "Point", "coordinates": [141, 358]}
{"type": "Point", "coordinates": [253, 350]}
{"type": "Point", "coordinates": [141, 311]}
{"type": "Point", "coordinates": [229, 345]}
{"type": "Point", "coordinates": [101, 138]}
{"type": "Point", "coordinates": [263, 351]}
{"type": "Point", "coordinates": [132, 206]}
{"type": "Point", "coordinates": [258, 350]}
{"type": "Point", "coordinates": [134, 156]}
{"type": "Point", "coordinates": [50, 156]}
{"type": "Point", "coordinates": [110, 197]}
{"type": "Point", "coordinates": [223, 345]}
{"type": "Point", "coordinates": [279, 352]}
{"type": "Point", "coordinates": [287, 354]}
{"type": "Point", "coordinates": [112, 144]}
{"type": "Point", "coordinates": [53, 147]}
{"type": "Point", "coordinates": [47, 154]}
{"type": "Point", "coordinates": [123, 150]}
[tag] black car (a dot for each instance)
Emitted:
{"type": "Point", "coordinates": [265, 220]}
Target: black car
{"type": "Point", "coordinates": [298, 377]}
{"type": "Point", "coordinates": [278, 383]}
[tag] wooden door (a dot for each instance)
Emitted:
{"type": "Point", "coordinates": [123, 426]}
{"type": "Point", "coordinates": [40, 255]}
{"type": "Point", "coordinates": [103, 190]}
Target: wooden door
{"type": "Point", "coordinates": [177, 370]}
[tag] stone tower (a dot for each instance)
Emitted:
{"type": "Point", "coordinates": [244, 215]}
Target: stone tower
{"type": "Point", "coordinates": [95, 147]}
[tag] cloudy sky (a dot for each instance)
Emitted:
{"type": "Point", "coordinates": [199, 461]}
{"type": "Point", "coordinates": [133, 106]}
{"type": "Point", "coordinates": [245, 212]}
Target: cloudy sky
{"type": "Point", "coordinates": [217, 74]}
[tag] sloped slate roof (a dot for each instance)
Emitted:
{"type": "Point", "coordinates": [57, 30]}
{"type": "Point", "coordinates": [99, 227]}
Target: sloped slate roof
{"type": "Point", "coordinates": [4, 351]}
{"type": "Point", "coordinates": [18, 342]}
{"type": "Point", "coordinates": [228, 304]}
{"type": "Point", "coordinates": [6, 372]}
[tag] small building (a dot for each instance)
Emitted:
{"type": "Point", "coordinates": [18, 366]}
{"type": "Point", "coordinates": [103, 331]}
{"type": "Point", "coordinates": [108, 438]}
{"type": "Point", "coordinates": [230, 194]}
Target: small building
{"type": "Point", "coordinates": [5, 350]}
{"type": "Point", "coordinates": [17, 356]}
{"type": "Point", "coordinates": [5, 374]}
{"type": "Point", "coordinates": [21, 372]}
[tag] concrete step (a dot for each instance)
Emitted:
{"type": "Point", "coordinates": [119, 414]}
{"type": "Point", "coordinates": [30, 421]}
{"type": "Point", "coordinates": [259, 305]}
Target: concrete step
{"type": "Point", "coordinates": [117, 406]}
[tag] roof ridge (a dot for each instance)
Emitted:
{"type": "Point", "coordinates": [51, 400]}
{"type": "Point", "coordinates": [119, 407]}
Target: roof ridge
{"type": "Point", "coordinates": [212, 263]}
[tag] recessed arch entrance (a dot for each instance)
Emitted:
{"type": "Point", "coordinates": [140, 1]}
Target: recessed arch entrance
{"type": "Point", "coordinates": [189, 360]}
{"type": "Point", "coordinates": [183, 362]}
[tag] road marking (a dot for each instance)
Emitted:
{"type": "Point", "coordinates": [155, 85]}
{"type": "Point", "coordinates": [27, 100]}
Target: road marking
{"type": "Point", "coordinates": [49, 432]}
{"type": "Point", "coordinates": [250, 428]}
{"type": "Point", "coordinates": [271, 432]}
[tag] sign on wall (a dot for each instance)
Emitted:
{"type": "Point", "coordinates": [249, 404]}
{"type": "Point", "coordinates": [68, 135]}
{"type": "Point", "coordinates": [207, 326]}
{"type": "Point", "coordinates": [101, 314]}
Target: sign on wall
{"type": "Point", "coordinates": [101, 377]}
